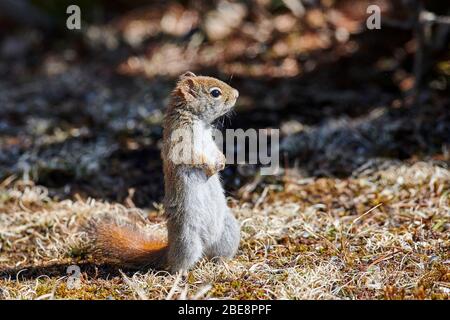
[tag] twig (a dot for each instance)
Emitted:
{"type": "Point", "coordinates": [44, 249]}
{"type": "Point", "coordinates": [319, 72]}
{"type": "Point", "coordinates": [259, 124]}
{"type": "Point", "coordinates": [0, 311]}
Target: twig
{"type": "Point", "coordinates": [141, 294]}
{"type": "Point", "coordinates": [383, 258]}
{"type": "Point", "coordinates": [202, 292]}
{"type": "Point", "coordinates": [174, 286]}
{"type": "Point", "coordinates": [261, 198]}
{"type": "Point", "coordinates": [429, 17]}
{"type": "Point", "coordinates": [366, 213]}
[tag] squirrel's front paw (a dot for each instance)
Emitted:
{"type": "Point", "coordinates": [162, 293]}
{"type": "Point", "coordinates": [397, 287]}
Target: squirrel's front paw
{"type": "Point", "coordinates": [221, 160]}
{"type": "Point", "coordinates": [216, 166]}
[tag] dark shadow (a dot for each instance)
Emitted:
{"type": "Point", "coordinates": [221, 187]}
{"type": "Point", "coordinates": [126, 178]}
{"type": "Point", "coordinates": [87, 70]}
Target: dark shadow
{"type": "Point", "coordinates": [58, 270]}
{"type": "Point", "coordinates": [112, 149]}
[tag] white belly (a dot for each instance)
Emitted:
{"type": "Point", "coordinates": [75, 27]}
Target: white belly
{"type": "Point", "coordinates": [205, 202]}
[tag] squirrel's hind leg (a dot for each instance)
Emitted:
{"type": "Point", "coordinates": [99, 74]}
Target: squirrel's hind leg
{"type": "Point", "coordinates": [228, 242]}
{"type": "Point", "coordinates": [184, 252]}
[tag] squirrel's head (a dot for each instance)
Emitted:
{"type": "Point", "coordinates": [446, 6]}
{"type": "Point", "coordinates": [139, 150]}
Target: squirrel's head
{"type": "Point", "coordinates": [205, 97]}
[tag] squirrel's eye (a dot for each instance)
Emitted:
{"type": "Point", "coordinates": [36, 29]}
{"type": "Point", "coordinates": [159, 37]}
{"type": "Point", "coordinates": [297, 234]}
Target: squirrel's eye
{"type": "Point", "coordinates": [215, 92]}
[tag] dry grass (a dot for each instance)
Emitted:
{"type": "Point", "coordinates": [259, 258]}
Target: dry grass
{"type": "Point", "coordinates": [383, 235]}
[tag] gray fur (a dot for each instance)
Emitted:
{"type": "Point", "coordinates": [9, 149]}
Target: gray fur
{"type": "Point", "coordinates": [200, 224]}
{"type": "Point", "coordinates": [199, 220]}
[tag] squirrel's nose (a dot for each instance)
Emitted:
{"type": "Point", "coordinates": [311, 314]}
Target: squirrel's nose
{"type": "Point", "coordinates": [236, 93]}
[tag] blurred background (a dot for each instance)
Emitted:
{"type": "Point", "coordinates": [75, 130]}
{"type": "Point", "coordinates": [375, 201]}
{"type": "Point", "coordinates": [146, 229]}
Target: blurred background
{"type": "Point", "coordinates": [81, 110]}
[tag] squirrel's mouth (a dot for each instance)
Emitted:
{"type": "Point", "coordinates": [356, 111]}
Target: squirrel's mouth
{"type": "Point", "coordinates": [231, 102]}
{"type": "Point", "coordinates": [225, 110]}
{"type": "Point", "coordinates": [228, 106]}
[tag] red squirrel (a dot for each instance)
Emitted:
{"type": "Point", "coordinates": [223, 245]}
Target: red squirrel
{"type": "Point", "coordinates": [199, 222]}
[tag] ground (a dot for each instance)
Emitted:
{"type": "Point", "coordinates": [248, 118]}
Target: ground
{"type": "Point", "coordinates": [383, 235]}
{"type": "Point", "coordinates": [360, 209]}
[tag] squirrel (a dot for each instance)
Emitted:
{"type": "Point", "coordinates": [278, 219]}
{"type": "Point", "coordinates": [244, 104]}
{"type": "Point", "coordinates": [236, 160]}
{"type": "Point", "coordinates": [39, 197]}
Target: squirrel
{"type": "Point", "coordinates": [199, 222]}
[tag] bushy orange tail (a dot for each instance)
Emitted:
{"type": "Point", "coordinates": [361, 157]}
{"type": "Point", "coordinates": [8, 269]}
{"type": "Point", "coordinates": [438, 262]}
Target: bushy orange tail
{"type": "Point", "coordinates": [126, 245]}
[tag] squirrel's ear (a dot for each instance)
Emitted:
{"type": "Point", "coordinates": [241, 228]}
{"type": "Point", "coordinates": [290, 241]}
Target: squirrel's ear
{"type": "Point", "coordinates": [187, 74]}
{"type": "Point", "coordinates": [186, 89]}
